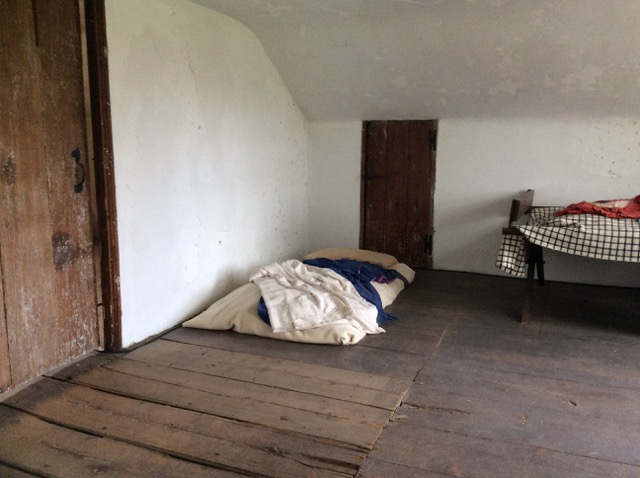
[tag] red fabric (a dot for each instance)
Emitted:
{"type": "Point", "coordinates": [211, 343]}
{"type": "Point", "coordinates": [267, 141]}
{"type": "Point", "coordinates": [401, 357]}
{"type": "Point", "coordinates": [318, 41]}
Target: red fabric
{"type": "Point", "coordinates": [626, 208]}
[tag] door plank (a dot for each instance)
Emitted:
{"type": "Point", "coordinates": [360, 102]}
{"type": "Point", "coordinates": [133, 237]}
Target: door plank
{"type": "Point", "coordinates": [248, 409]}
{"type": "Point", "coordinates": [64, 126]}
{"type": "Point", "coordinates": [356, 387]}
{"type": "Point", "coordinates": [45, 449]}
{"type": "Point", "coordinates": [419, 210]}
{"type": "Point", "coordinates": [397, 170]}
{"type": "Point", "coordinates": [375, 185]}
{"type": "Point", "coordinates": [185, 434]}
{"type": "Point", "coordinates": [25, 235]}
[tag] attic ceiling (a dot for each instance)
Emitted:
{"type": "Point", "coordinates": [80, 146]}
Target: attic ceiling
{"type": "Point", "coordinates": [416, 59]}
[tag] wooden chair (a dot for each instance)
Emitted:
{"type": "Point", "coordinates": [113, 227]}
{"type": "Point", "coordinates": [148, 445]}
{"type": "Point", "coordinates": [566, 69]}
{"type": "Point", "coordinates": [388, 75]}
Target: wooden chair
{"type": "Point", "coordinates": [534, 257]}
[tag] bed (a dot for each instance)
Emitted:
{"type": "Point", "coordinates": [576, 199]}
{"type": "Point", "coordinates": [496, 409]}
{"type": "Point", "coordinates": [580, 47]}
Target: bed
{"type": "Point", "coordinates": [607, 230]}
{"type": "Point", "coordinates": [243, 310]}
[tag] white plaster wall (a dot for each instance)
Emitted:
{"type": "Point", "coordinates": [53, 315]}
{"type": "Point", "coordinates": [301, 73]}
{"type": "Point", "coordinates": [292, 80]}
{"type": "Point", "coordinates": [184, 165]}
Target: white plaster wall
{"type": "Point", "coordinates": [483, 163]}
{"type": "Point", "coordinates": [210, 159]}
{"type": "Point", "coordinates": [334, 188]}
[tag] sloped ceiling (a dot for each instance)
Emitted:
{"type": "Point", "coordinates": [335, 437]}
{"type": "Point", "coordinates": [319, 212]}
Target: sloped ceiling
{"type": "Point", "coordinates": [415, 59]}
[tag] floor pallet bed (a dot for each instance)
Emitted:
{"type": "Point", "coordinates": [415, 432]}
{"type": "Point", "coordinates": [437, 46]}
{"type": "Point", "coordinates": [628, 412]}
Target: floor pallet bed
{"type": "Point", "coordinates": [456, 387]}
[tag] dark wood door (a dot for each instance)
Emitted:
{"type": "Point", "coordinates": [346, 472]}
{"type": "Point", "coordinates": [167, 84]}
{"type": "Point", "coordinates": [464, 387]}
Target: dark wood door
{"type": "Point", "coordinates": [398, 183]}
{"type": "Point", "coordinates": [48, 288]}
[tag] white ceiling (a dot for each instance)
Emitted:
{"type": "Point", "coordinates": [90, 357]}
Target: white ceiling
{"type": "Point", "coordinates": [416, 59]}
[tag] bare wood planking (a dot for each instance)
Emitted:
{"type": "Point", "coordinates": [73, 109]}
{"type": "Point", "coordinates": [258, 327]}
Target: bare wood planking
{"type": "Point", "coordinates": [575, 398]}
{"type": "Point", "coordinates": [251, 391]}
{"type": "Point", "coordinates": [409, 443]}
{"type": "Point", "coordinates": [185, 434]}
{"type": "Point", "coordinates": [356, 387]}
{"type": "Point", "coordinates": [596, 363]}
{"type": "Point", "coordinates": [45, 449]}
{"type": "Point", "coordinates": [373, 468]}
{"type": "Point", "coordinates": [29, 293]}
{"type": "Point", "coordinates": [86, 363]}
{"type": "Point", "coordinates": [398, 341]}
{"type": "Point", "coordinates": [524, 424]}
{"type": "Point", "coordinates": [7, 472]}
{"type": "Point", "coordinates": [392, 359]}
{"type": "Point", "coordinates": [64, 127]}
{"type": "Point", "coordinates": [350, 432]}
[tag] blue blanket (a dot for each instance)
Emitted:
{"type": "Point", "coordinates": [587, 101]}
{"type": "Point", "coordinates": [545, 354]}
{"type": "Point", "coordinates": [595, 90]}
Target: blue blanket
{"type": "Point", "coordinates": [360, 274]}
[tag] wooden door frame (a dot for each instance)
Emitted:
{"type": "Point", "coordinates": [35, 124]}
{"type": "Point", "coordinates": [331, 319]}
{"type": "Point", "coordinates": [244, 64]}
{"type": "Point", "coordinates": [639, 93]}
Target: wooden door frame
{"type": "Point", "coordinates": [98, 68]}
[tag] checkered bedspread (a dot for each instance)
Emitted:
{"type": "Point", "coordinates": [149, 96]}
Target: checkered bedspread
{"type": "Point", "coordinates": [587, 235]}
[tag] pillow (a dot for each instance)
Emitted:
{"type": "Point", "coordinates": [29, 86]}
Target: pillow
{"type": "Point", "coordinates": [335, 253]}
{"type": "Point", "coordinates": [238, 311]}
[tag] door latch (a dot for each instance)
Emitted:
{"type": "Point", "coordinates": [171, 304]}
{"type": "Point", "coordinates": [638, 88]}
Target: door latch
{"type": "Point", "coordinates": [428, 244]}
{"type": "Point", "coordinates": [75, 154]}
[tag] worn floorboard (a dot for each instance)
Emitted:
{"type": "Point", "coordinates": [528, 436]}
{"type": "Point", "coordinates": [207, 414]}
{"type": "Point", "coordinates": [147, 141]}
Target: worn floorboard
{"type": "Point", "coordinates": [455, 388]}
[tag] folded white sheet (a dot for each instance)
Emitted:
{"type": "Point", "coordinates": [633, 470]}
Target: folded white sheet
{"type": "Point", "coordinates": [300, 297]}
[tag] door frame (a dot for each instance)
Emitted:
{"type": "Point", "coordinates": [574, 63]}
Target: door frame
{"type": "Point", "coordinates": [104, 180]}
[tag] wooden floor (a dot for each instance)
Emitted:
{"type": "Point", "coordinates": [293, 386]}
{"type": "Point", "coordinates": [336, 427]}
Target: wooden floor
{"type": "Point", "coordinates": [457, 387]}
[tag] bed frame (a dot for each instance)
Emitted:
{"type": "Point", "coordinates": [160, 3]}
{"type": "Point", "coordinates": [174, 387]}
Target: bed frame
{"type": "Point", "coordinates": [521, 206]}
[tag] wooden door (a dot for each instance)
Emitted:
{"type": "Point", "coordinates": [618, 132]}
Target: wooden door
{"type": "Point", "coordinates": [48, 287]}
{"type": "Point", "coordinates": [398, 183]}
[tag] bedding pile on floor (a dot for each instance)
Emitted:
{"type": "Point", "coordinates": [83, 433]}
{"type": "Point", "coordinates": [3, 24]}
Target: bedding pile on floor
{"type": "Point", "coordinates": [333, 296]}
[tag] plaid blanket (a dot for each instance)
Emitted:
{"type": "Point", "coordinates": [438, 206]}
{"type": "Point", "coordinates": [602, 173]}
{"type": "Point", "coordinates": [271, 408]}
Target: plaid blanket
{"type": "Point", "coordinates": [586, 235]}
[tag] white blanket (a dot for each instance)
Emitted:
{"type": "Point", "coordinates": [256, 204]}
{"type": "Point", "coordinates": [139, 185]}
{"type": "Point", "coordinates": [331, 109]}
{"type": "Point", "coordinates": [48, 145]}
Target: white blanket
{"type": "Point", "coordinates": [300, 297]}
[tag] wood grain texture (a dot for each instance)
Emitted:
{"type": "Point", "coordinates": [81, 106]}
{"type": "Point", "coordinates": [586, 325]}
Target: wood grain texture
{"type": "Point", "coordinates": [325, 419]}
{"type": "Point", "coordinates": [384, 354]}
{"type": "Point", "coordinates": [489, 397]}
{"type": "Point", "coordinates": [366, 389]}
{"type": "Point", "coordinates": [398, 183]}
{"type": "Point", "coordinates": [64, 127]}
{"type": "Point", "coordinates": [8, 472]}
{"type": "Point", "coordinates": [46, 449]}
{"type": "Point", "coordinates": [102, 134]}
{"type": "Point", "coordinates": [375, 185]}
{"type": "Point", "coordinates": [5, 363]}
{"type": "Point", "coordinates": [396, 178]}
{"type": "Point", "coordinates": [45, 228]}
{"type": "Point", "coordinates": [420, 191]}
{"type": "Point", "coordinates": [25, 233]}
{"type": "Point", "coordinates": [186, 434]}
